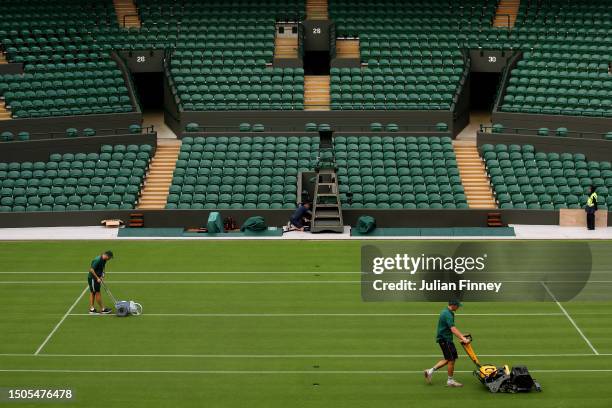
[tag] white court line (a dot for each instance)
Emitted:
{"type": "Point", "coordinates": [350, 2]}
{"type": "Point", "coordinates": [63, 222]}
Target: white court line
{"type": "Point", "coordinates": [189, 282]}
{"type": "Point", "coordinates": [291, 356]}
{"type": "Point", "coordinates": [60, 322]}
{"type": "Point", "coordinates": [266, 272]}
{"type": "Point", "coordinates": [276, 372]}
{"type": "Point", "coordinates": [186, 273]}
{"type": "Point", "coordinates": [260, 282]}
{"type": "Point", "coordinates": [321, 314]}
{"type": "Point", "coordinates": [552, 295]}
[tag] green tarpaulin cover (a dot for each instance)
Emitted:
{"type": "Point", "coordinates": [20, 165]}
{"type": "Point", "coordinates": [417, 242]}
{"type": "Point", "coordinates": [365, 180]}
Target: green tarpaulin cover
{"type": "Point", "coordinates": [256, 223]}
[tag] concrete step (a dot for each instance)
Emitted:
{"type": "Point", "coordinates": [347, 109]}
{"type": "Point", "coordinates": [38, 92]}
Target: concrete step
{"type": "Point", "coordinates": [472, 172]}
{"type": "Point", "coordinates": [285, 47]}
{"type": "Point", "coordinates": [473, 176]}
{"type": "Point", "coordinates": [477, 188]}
{"type": "Point", "coordinates": [317, 9]}
{"type": "Point", "coordinates": [127, 13]}
{"type": "Point", "coordinates": [347, 48]}
{"type": "Point", "coordinates": [159, 177]}
{"type": "Point", "coordinates": [316, 92]}
{"type": "Point", "coordinates": [154, 198]}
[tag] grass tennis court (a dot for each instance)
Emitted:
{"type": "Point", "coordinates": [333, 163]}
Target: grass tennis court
{"type": "Point", "coordinates": [271, 324]}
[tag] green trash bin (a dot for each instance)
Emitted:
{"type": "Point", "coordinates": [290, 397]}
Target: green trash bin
{"type": "Point", "coordinates": [366, 224]}
{"type": "Point", "coordinates": [215, 223]}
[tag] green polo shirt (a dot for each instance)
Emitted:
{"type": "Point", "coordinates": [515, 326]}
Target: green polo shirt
{"type": "Point", "coordinates": [98, 265]}
{"type": "Point", "coordinates": [445, 322]}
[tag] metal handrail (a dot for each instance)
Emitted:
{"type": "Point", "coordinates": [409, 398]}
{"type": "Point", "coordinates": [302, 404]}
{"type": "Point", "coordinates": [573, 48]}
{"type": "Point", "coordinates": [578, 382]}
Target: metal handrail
{"type": "Point", "coordinates": [275, 106]}
{"type": "Point", "coordinates": [99, 132]}
{"type": "Point", "coordinates": [501, 91]}
{"type": "Point", "coordinates": [532, 132]}
{"type": "Point", "coordinates": [467, 63]}
{"type": "Point", "coordinates": [283, 129]}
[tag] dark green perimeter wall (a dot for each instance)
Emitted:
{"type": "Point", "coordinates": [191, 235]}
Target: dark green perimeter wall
{"type": "Point", "coordinates": [197, 218]}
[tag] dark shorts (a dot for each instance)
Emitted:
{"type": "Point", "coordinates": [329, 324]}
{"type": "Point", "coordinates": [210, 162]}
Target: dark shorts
{"type": "Point", "coordinates": [297, 223]}
{"type": "Point", "coordinates": [448, 350]}
{"type": "Point", "coordinates": [94, 285]}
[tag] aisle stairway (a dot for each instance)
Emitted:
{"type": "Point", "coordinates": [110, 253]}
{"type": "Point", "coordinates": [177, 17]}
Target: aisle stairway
{"type": "Point", "coordinates": [473, 175]}
{"type": "Point", "coordinates": [316, 10]}
{"type": "Point", "coordinates": [127, 13]}
{"type": "Point", "coordinates": [286, 47]}
{"type": "Point", "coordinates": [5, 114]}
{"type": "Point", "coordinates": [347, 48]}
{"type": "Point", "coordinates": [316, 92]}
{"type": "Point", "coordinates": [159, 177]}
{"type": "Point", "coordinates": [505, 9]}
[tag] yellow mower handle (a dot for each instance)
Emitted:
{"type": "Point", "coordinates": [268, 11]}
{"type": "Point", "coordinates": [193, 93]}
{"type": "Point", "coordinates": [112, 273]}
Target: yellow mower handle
{"type": "Point", "coordinates": [470, 351]}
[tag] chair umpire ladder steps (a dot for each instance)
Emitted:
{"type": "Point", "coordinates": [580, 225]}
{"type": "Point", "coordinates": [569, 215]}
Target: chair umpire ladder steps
{"type": "Point", "coordinates": [327, 210]}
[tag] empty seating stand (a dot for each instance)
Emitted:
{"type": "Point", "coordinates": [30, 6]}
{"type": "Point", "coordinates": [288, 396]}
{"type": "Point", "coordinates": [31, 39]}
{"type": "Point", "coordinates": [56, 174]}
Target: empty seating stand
{"type": "Point", "coordinates": [565, 70]}
{"type": "Point", "coordinates": [222, 52]}
{"type": "Point", "coordinates": [66, 71]}
{"type": "Point", "coordinates": [108, 180]}
{"type": "Point", "coordinates": [398, 172]}
{"type": "Point", "coordinates": [412, 52]}
{"type": "Point", "coordinates": [240, 172]}
{"type": "Point", "coordinates": [524, 178]}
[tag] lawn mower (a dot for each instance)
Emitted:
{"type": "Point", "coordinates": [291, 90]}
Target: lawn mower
{"type": "Point", "coordinates": [124, 308]}
{"type": "Point", "coordinates": [501, 379]}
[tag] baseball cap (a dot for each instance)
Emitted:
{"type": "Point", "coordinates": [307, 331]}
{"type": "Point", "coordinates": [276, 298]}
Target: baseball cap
{"type": "Point", "coordinates": [455, 302]}
{"type": "Point", "coordinates": [109, 254]}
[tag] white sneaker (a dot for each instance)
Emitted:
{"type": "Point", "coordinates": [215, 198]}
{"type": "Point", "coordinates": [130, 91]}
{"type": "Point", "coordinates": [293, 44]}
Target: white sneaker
{"type": "Point", "coordinates": [428, 374]}
{"type": "Point", "coordinates": [453, 383]}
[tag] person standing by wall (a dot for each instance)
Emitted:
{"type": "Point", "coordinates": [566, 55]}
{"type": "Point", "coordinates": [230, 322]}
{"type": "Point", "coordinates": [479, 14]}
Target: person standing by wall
{"type": "Point", "coordinates": [591, 208]}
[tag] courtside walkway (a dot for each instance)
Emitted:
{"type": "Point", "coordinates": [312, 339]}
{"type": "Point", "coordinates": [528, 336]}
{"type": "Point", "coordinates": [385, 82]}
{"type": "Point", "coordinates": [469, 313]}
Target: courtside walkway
{"type": "Point", "coordinates": [544, 232]}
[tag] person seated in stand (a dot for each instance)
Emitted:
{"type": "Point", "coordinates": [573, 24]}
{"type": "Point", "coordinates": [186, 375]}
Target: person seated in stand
{"type": "Point", "coordinates": [300, 218]}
